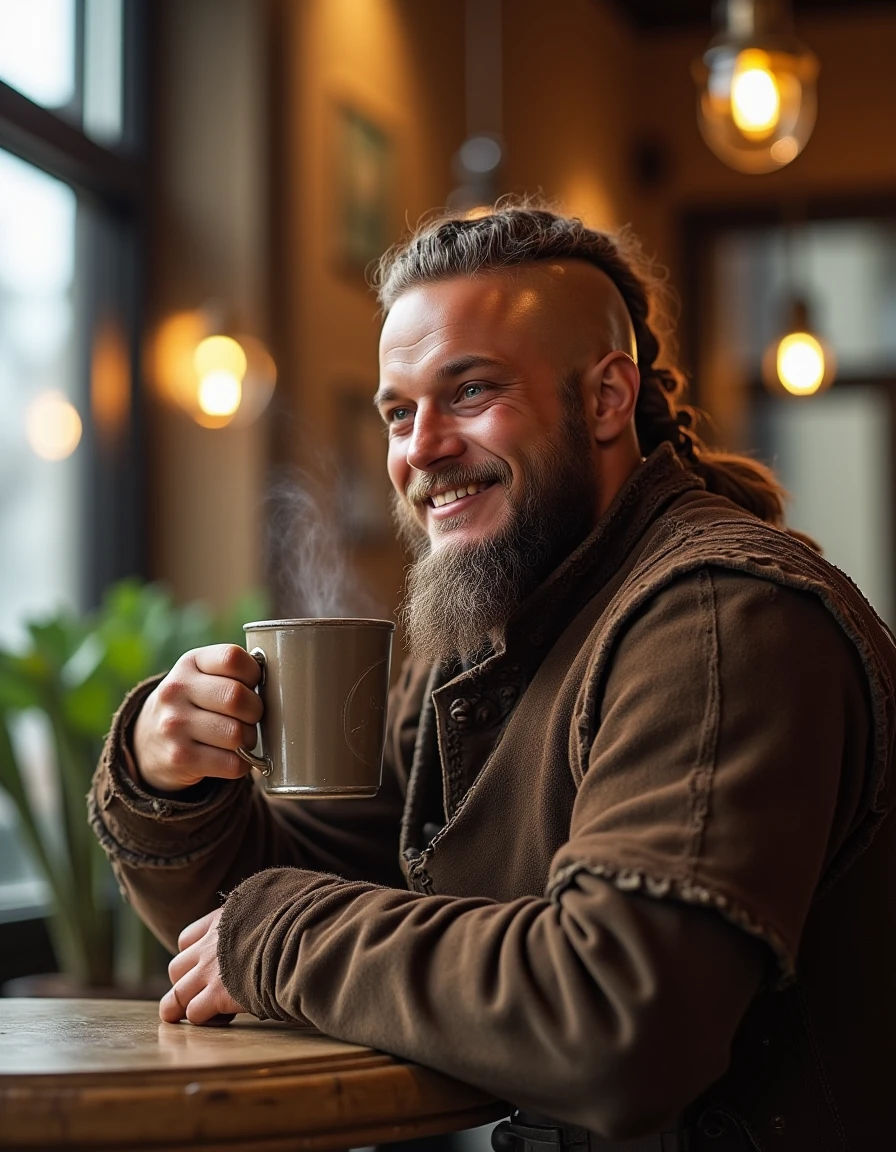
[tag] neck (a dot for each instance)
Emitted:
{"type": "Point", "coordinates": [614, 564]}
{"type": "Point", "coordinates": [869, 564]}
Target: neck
{"type": "Point", "coordinates": [617, 462]}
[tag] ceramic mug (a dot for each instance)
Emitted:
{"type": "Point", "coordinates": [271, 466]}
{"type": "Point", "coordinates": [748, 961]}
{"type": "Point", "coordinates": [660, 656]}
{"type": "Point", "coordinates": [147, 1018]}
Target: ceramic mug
{"type": "Point", "coordinates": [324, 684]}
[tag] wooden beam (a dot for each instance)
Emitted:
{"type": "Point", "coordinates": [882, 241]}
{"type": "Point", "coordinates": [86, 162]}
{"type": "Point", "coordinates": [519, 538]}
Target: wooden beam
{"type": "Point", "coordinates": [51, 143]}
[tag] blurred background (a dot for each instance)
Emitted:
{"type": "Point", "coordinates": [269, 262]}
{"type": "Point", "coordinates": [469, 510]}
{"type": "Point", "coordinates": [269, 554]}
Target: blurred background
{"type": "Point", "coordinates": [190, 192]}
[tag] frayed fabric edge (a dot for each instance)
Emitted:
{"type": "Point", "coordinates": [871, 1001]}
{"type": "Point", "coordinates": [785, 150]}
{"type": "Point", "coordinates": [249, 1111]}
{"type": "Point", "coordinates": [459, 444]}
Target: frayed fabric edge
{"type": "Point", "coordinates": [635, 880]}
{"type": "Point", "coordinates": [116, 851]}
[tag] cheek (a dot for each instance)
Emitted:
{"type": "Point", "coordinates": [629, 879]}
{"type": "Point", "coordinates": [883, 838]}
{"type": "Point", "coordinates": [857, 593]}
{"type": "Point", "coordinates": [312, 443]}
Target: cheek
{"type": "Point", "coordinates": [397, 466]}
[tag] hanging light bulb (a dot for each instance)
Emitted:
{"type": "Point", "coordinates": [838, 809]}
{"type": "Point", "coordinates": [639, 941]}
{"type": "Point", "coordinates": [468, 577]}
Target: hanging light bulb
{"type": "Point", "coordinates": [756, 84]}
{"type": "Point", "coordinates": [799, 363]}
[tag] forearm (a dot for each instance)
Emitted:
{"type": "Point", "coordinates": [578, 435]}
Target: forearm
{"type": "Point", "coordinates": [176, 855]}
{"type": "Point", "coordinates": [604, 1009]}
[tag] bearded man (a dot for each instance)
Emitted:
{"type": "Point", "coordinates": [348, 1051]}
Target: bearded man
{"type": "Point", "coordinates": [631, 866]}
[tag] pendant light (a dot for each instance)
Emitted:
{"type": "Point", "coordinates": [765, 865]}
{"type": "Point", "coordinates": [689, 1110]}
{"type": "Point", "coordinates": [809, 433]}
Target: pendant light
{"type": "Point", "coordinates": [756, 86]}
{"type": "Point", "coordinates": [799, 362]}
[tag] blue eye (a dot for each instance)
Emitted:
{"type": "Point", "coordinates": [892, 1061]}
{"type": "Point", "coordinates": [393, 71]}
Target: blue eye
{"type": "Point", "coordinates": [399, 414]}
{"type": "Point", "coordinates": [471, 391]}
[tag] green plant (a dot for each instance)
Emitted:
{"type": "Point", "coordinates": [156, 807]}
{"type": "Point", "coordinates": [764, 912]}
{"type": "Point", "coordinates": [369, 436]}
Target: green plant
{"type": "Point", "coordinates": [75, 670]}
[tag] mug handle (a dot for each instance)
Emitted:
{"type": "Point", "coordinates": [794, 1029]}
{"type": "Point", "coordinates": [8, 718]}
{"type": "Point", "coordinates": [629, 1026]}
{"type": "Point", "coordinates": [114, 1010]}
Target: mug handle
{"type": "Point", "coordinates": [264, 764]}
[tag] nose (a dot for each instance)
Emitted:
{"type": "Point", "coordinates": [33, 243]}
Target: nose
{"type": "Point", "coordinates": [435, 438]}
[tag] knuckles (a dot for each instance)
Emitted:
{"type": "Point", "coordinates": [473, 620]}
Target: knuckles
{"type": "Point", "coordinates": [237, 662]}
{"type": "Point", "coordinates": [171, 690]}
{"type": "Point", "coordinates": [172, 724]}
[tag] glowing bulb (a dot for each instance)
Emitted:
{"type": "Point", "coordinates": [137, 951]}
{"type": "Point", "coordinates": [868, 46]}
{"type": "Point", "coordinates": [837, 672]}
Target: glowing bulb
{"type": "Point", "coordinates": [755, 96]}
{"type": "Point", "coordinates": [800, 364]}
{"type": "Point", "coordinates": [53, 426]}
{"type": "Point", "coordinates": [219, 393]}
{"type": "Point", "coordinates": [219, 354]}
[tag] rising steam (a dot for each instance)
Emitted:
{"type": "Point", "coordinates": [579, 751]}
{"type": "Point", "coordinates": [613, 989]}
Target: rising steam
{"type": "Point", "coordinates": [310, 573]}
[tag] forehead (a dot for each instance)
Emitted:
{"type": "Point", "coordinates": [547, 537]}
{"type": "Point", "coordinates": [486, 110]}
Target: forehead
{"type": "Point", "coordinates": [542, 313]}
{"type": "Point", "coordinates": [497, 313]}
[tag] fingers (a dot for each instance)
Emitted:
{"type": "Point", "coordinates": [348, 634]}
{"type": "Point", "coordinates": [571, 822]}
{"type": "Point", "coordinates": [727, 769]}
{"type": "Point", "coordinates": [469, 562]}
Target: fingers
{"type": "Point", "coordinates": [215, 730]}
{"type": "Point", "coordinates": [228, 661]}
{"type": "Point", "coordinates": [228, 697]}
{"type": "Point", "coordinates": [191, 725]}
{"type": "Point", "coordinates": [196, 931]}
{"type": "Point", "coordinates": [170, 1008]}
{"type": "Point", "coordinates": [211, 1005]}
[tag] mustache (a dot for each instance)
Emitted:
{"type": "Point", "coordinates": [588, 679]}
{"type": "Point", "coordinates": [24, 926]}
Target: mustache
{"type": "Point", "coordinates": [457, 476]}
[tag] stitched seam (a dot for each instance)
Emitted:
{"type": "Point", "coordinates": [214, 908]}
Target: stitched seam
{"type": "Point", "coordinates": [636, 880]}
{"type": "Point", "coordinates": [427, 728]}
{"type": "Point", "coordinates": [701, 778]}
{"type": "Point", "coordinates": [758, 550]}
{"type": "Point", "coordinates": [117, 851]}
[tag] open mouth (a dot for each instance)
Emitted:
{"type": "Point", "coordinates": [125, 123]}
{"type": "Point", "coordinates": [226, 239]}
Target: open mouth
{"type": "Point", "coordinates": [452, 495]}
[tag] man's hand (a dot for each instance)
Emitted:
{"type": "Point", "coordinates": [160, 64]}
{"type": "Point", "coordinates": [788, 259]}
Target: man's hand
{"type": "Point", "coordinates": [192, 724]}
{"type": "Point", "coordinates": [197, 992]}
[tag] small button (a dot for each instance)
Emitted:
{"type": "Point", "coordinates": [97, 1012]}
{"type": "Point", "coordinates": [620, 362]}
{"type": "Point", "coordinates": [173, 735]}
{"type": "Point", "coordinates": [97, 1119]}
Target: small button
{"type": "Point", "coordinates": [484, 715]}
{"type": "Point", "coordinates": [778, 1123]}
{"type": "Point", "coordinates": [460, 711]}
{"type": "Point", "coordinates": [507, 695]}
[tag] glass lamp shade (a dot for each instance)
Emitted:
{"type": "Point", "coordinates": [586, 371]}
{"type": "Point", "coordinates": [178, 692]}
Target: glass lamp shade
{"type": "Point", "coordinates": [756, 99]}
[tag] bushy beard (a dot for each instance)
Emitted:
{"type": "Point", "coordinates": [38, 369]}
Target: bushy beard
{"type": "Point", "coordinates": [459, 598]}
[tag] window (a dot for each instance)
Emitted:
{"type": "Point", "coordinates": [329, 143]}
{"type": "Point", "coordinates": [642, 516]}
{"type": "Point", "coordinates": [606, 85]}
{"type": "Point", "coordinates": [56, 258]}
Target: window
{"type": "Point", "coordinates": [71, 171]}
{"type": "Point", "coordinates": [834, 452]}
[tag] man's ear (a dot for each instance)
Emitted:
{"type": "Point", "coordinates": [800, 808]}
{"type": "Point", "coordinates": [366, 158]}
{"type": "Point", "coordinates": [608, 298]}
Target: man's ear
{"type": "Point", "coordinates": [610, 388]}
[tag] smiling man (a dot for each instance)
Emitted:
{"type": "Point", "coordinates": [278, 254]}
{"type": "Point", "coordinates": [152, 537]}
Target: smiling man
{"type": "Point", "coordinates": [627, 866]}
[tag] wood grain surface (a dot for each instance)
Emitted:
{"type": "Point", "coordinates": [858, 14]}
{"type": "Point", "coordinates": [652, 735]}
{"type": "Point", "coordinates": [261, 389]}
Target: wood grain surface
{"type": "Point", "coordinates": [107, 1074]}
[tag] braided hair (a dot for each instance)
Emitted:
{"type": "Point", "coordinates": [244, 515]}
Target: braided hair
{"type": "Point", "coordinates": [518, 232]}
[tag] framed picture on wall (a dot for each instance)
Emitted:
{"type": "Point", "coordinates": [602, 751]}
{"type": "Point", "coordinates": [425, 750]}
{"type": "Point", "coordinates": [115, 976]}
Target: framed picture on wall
{"type": "Point", "coordinates": [364, 186]}
{"type": "Point", "coordinates": [364, 490]}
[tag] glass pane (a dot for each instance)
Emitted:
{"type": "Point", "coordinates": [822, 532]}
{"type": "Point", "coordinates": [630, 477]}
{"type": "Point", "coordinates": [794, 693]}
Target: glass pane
{"type": "Point", "coordinates": [40, 465]}
{"type": "Point", "coordinates": [41, 426]}
{"type": "Point", "coordinates": [834, 456]}
{"type": "Point", "coordinates": [845, 269]}
{"type": "Point", "coordinates": [37, 49]}
{"type": "Point", "coordinates": [103, 80]}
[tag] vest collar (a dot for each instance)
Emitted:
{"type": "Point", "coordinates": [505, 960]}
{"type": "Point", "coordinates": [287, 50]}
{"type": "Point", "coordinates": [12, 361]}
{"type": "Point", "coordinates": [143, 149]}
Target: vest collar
{"type": "Point", "coordinates": [659, 480]}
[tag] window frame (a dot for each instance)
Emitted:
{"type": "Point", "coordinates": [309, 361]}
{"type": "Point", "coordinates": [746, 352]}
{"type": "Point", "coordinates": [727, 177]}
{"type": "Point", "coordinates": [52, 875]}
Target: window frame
{"type": "Point", "coordinates": [111, 182]}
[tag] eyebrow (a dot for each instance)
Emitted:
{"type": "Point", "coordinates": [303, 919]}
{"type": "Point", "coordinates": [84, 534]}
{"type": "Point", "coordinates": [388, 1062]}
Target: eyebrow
{"type": "Point", "coordinates": [447, 371]}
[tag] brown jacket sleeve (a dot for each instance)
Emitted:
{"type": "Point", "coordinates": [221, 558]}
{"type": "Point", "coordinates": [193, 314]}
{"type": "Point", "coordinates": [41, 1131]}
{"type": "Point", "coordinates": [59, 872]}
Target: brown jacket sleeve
{"type": "Point", "coordinates": [614, 1003]}
{"type": "Point", "coordinates": [176, 855]}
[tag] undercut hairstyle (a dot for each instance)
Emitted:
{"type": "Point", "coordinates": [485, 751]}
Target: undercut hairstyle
{"type": "Point", "coordinates": [519, 232]}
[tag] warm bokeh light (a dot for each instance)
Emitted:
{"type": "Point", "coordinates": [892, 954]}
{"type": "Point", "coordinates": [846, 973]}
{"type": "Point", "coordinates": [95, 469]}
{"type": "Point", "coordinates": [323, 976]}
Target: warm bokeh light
{"type": "Point", "coordinates": [52, 426]}
{"type": "Point", "coordinates": [800, 363]}
{"type": "Point", "coordinates": [755, 97]}
{"type": "Point", "coordinates": [110, 381]}
{"type": "Point", "coordinates": [219, 393]}
{"type": "Point", "coordinates": [219, 354]}
{"type": "Point", "coordinates": [217, 380]}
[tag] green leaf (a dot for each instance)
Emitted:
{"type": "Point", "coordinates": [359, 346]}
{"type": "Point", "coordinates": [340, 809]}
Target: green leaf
{"type": "Point", "coordinates": [18, 686]}
{"type": "Point", "coordinates": [55, 640]}
{"type": "Point", "coordinates": [89, 708]}
{"type": "Point", "coordinates": [84, 661]}
{"type": "Point", "coordinates": [128, 658]}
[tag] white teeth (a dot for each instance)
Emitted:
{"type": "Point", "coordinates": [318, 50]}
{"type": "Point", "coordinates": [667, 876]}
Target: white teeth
{"type": "Point", "coordinates": [455, 494]}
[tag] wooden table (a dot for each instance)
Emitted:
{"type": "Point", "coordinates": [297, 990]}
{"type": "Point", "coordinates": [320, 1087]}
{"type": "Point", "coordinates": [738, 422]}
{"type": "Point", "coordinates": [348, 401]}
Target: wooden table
{"type": "Point", "coordinates": [107, 1074]}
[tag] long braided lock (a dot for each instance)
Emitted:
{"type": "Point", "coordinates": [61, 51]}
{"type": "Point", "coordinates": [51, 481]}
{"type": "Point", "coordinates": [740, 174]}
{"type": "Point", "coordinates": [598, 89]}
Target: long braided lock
{"type": "Point", "coordinates": [520, 231]}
